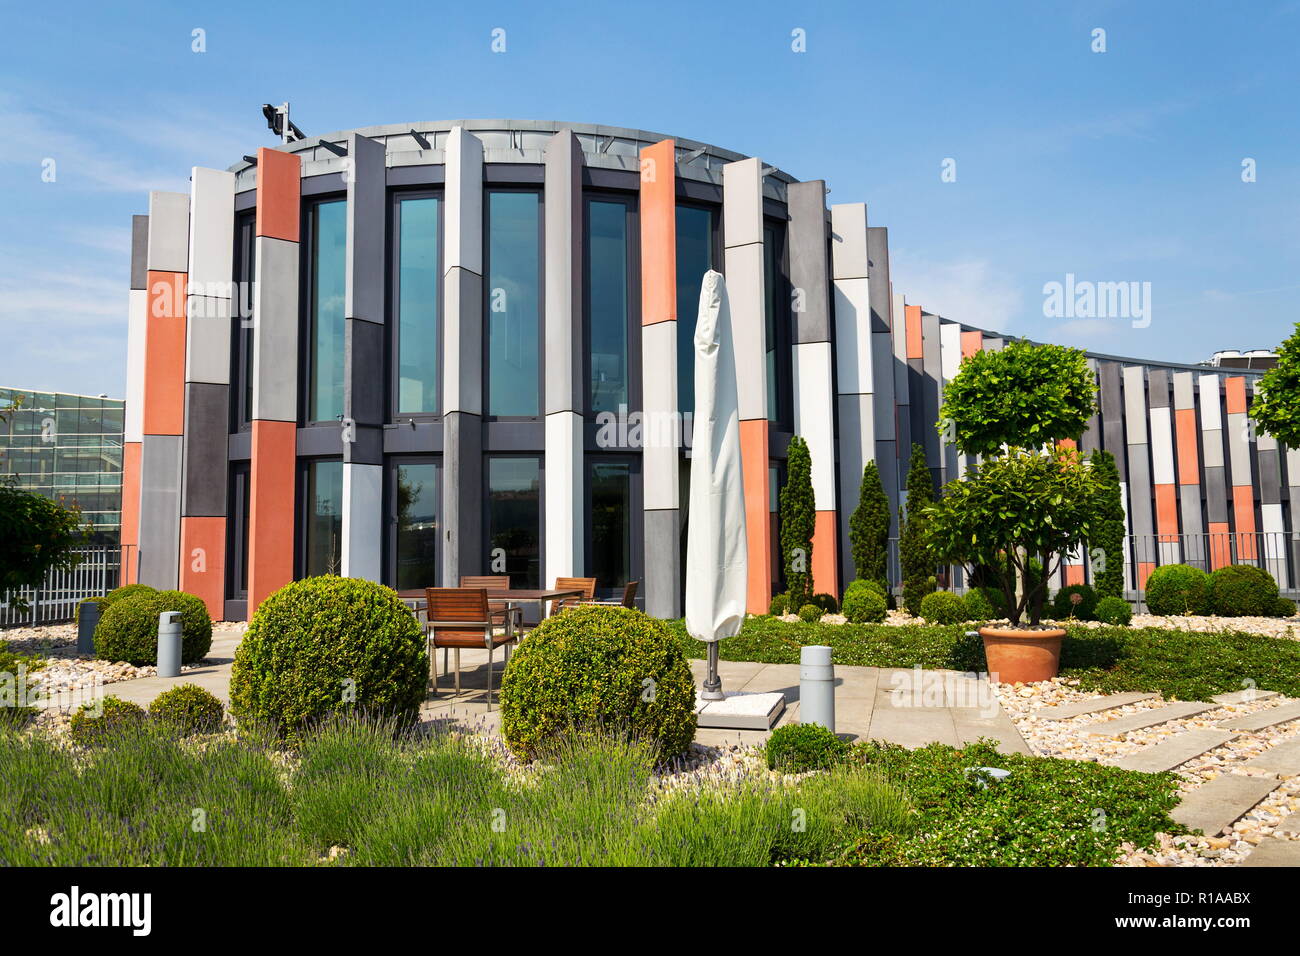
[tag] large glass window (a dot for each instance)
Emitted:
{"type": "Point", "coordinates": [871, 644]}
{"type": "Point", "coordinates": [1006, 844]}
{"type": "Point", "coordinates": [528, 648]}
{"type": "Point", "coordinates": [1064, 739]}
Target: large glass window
{"type": "Point", "coordinates": [417, 305]}
{"type": "Point", "coordinates": [237, 531]}
{"type": "Point", "coordinates": [327, 329]}
{"type": "Point", "coordinates": [322, 551]}
{"type": "Point", "coordinates": [694, 258]}
{"type": "Point", "coordinates": [610, 507]}
{"type": "Point", "coordinates": [415, 523]}
{"type": "Point", "coordinates": [514, 518]}
{"type": "Point", "coordinates": [514, 303]}
{"type": "Point", "coordinates": [772, 291]}
{"type": "Point", "coordinates": [607, 304]}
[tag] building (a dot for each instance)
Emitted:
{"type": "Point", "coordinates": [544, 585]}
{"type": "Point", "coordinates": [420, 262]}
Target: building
{"type": "Point", "coordinates": [69, 449]}
{"type": "Point", "coordinates": [412, 352]}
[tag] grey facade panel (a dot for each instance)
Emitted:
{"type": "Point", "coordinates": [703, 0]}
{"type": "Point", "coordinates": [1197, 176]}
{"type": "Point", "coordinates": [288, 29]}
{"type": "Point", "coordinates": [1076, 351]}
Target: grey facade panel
{"type": "Point", "coordinates": [1270, 477]}
{"type": "Point", "coordinates": [319, 441]}
{"type": "Point", "coordinates": [363, 372]}
{"type": "Point", "coordinates": [878, 266]}
{"type": "Point", "coordinates": [932, 367]}
{"type": "Point", "coordinates": [1140, 520]}
{"type": "Point", "coordinates": [1189, 508]}
{"type": "Point", "coordinates": [367, 217]}
{"type": "Point", "coordinates": [1157, 388]}
{"type": "Point", "coordinates": [160, 510]}
{"type": "Point", "coordinates": [565, 369]}
{"type": "Point", "coordinates": [1216, 493]}
{"type": "Point", "coordinates": [413, 438]}
{"type": "Point", "coordinates": [809, 268]}
{"type": "Point", "coordinates": [207, 415]}
{"type": "Point", "coordinates": [663, 563]}
{"type": "Point", "coordinates": [1111, 401]}
{"type": "Point", "coordinates": [139, 252]}
{"type": "Point", "coordinates": [852, 411]}
{"type": "Point", "coordinates": [462, 496]}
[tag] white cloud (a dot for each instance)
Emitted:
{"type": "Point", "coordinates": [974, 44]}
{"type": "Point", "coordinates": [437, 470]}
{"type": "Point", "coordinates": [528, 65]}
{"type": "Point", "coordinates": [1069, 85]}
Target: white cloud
{"type": "Point", "coordinates": [970, 290]}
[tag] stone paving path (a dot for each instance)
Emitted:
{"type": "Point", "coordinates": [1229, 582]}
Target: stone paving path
{"type": "Point", "coordinates": [908, 707]}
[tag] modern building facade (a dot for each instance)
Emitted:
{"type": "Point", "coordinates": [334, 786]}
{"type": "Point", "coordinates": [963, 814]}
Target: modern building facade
{"type": "Point", "coordinates": [412, 352]}
{"type": "Point", "coordinates": [69, 449]}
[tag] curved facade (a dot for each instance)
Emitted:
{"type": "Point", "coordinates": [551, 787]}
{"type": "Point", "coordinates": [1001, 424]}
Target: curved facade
{"type": "Point", "coordinates": [409, 353]}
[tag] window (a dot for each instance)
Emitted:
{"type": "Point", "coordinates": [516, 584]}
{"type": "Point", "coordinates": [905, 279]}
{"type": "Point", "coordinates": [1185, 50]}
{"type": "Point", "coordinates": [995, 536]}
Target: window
{"type": "Point", "coordinates": [414, 497]}
{"type": "Point", "coordinates": [514, 221]}
{"type": "Point", "coordinates": [607, 305]}
{"type": "Point", "coordinates": [612, 511]}
{"type": "Point", "coordinates": [776, 316]}
{"type": "Point", "coordinates": [416, 302]}
{"type": "Point", "coordinates": [326, 331]}
{"type": "Point", "coordinates": [241, 376]}
{"type": "Point", "coordinates": [322, 517]}
{"type": "Point", "coordinates": [694, 258]}
{"type": "Point", "coordinates": [514, 518]}
{"type": "Point", "coordinates": [237, 532]}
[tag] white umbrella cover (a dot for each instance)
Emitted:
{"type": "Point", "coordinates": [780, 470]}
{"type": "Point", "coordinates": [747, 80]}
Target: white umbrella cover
{"type": "Point", "coordinates": [716, 552]}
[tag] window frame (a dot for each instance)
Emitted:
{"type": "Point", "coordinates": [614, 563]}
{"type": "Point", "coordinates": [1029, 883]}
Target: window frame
{"type": "Point", "coordinates": [486, 344]}
{"type": "Point", "coordinates": [241, 336]}
{"type": "Point", "coordinates": [302, 512]}
{"type": "Point", "coordinates": [630, 202]}
{"type": "Point", "coordinates": [391, 464]}
{"type": "Point", "coordinates": [393, 265]}
{"type": "Point", "coordinates": [306, 305]}
{"type": "Point", "coordinates": [636, 523]}
{"type": "Point", "coordinates": [540, 458]}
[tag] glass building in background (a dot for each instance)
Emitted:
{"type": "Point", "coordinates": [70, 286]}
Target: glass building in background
{"type": "Point", "coordinates": [67, 448]}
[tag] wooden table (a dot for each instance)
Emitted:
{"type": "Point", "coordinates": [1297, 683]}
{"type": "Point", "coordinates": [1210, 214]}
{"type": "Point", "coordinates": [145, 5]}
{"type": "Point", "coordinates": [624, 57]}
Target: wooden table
{"type": "Point", "coordinates": [416, 599]}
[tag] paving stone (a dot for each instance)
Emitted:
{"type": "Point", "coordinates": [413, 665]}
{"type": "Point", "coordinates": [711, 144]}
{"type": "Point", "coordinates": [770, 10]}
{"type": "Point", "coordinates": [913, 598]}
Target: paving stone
{"type": "Point", "coordinates": [1289, 824]}
{"type": "Point", "coordinates": [1091, 706]}
{"type": "Point", "coordinates": [1148, 718]}
{"type": "Point", "coordinates": [1283, 759]}
{"type": "Point", "coordinates": [1247, 696]}
{"type": "Point", "coordinates": [1275, 852]}
{"type": "Point", "coordinates": [1218, 804]}
{"type": "Point", "coordinates": [1170, 753]}
{"type": "Point", "coordinates": [1264, 718]}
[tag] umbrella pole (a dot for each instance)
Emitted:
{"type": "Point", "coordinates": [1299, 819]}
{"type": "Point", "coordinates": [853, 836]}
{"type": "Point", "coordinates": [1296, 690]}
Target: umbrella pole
{"type": "Point", "coordinates": [712, 682]}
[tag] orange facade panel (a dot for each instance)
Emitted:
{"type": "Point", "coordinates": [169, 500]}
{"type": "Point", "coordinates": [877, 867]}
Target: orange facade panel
{"type": "Point", "coordinates": [1243, 517]}
{"type": "Point", "coordinates": [270, 509]}
{"type": "Point", "coordinates": [1220, 545]}
{"type": "Point", "coordinates": [279, 194]}
{"type": "Point", "coordinates": [1235, 389]}
{"type": "Point", "coordinates": [1073, 574]}
{"type": "Point", "coordinates": [203, 561]}
{"type": "Point", "coordinates": [758, 529]}
{"type": "Point", "coordinates": [971, 342]}
{"type": "Point", "coordinates": [825, 568]}
{"type": "Point", "coordinates": [912, 326]}
{"type": "Point", "coordinates": [658, 213]}
{"type": "Point", "coordinates": [130, 510]}
{"type": "Point", "coordinates": [164, 354]}
{"type": "Point", "coordinates": [1167, 512]}
{"type": "Point", "coordinates": [1189, 471]}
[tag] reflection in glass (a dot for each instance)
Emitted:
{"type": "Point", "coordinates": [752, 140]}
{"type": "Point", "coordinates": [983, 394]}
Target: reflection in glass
{"type": "Point", "coordinates": [323, 533]}
{"type": "Point", "coordinates": [515, 518]}
{"type": "Point", "coordinates": [417, 306]}
{"type": "Point", "coordinates": [328, 269]}
{"type": "Point", "coordinates": [607, 302]}
{"type": "Point", "coordinates": [513, 303]}
{"type": "Point", "coordinates": [417, 525]}
{"type": "Point", "coordinates": [611, 523]}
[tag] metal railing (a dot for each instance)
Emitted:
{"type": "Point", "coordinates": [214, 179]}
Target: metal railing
{"type": "Point", "coordinates": [55, 601]}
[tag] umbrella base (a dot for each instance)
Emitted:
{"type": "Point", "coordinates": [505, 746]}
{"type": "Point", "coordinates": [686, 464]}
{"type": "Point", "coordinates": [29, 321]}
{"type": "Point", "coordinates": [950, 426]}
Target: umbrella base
{"type": "Point", "coordinates": [741, 711]}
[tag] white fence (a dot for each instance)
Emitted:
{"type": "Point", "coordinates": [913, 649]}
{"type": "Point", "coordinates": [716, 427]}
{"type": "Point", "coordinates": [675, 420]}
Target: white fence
{"type": "Point", "coordinates": [55, 601]}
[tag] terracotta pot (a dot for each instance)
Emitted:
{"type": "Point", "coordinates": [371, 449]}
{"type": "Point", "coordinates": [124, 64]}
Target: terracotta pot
{"type": "Point", "coordinates": [1021, 656]}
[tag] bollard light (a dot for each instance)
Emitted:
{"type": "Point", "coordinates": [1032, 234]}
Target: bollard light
{"type": "Point", "coordinates": [817, 687]}
{"type": "Point", "coordinates": [169, 644]}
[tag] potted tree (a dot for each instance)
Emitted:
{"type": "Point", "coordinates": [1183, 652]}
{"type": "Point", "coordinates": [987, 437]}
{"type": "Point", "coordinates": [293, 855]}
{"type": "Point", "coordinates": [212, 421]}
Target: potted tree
{"type": "Point", "coordinates": [1030, 500]}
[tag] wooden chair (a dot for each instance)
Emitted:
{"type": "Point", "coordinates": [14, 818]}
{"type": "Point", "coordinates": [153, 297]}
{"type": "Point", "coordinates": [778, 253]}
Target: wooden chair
{"type": "Point", "coordinates": [493, 582]}
{"type": "Point", "coordinates": [586, 585]}
{"type": "Point", "coordinates": [460, 617]}
{"type": "Point", "coordinates": [627, 600]}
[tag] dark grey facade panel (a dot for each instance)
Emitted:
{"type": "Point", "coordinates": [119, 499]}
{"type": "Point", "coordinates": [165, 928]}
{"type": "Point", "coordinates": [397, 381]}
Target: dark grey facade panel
{"type": "Point", "coordinates": [1270, 484]}
{"type": "Point", "coordinates": [400, 176]}
{"type": "Point", "coordinates": [240, 445]}
{"type": "Point", "coordinates": [933, 374]}
{"type": "Point", "coordinates": [324, 184]}
{"type": "Point", "coordinates": [809, 264]}
{"type": "Point", "coordinates": [1140, 493]}
{"type": "Point", "coordinates": [320, 441]}
{"type": "Point", "coordinates": [139, 252]}
{"type": "Point", "coordinates": [462, 496]}
{"type": "Point", "coordinates": [363, 391]}
{"type": "Point", "coordinates": [1111, 400]}
{"type": "Point", "coordinates": [367, 216]}
{"type": "Point", "coordinates": [508, 436]}
{"type": "Point", "coordinates": [512, 173]}
{"type": "Point", "coordinates": [207, 416]}
{"type": "Point", "coordinates": [878, 272]}
{"type": "Point", "coordinates": [595, 177]}
{"type": "Point", "coordinates": [1157, 388]}
{"type": "Point", "coordinates": [413, 438]}
{"type": "Point", "coordinates": [1216, 493]}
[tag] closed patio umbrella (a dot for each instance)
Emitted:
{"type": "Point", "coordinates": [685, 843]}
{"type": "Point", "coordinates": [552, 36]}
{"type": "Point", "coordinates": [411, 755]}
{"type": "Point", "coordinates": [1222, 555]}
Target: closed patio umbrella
{"type": "Point", "coordinates": [716, 556]}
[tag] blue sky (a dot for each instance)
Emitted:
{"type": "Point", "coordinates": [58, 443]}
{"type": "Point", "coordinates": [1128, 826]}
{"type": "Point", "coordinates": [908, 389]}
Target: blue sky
{"type": "Point", "coordinates": [1115, 166]}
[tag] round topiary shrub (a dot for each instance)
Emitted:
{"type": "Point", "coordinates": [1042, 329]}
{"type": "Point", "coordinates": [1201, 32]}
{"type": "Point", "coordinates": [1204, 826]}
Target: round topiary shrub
{"type": "Point", "coordinates": [97, 721]}
{"type": "Point", "coordinates": [1241, 590]}
{"type": "Point", "coordinates": [1284, 607]}
{"type": "Point", "coordinates": [596, 668]}
{"type": "Point", "coordinates": [128, 631]}
{"type": "Point", "coordinates": [1064, 606]}
{"type": "Point", "coordinates": [798, 748]}
{"type": "Point", "coordinates": [943, 607]}
{"type": "Point", "coordinates": [780, 603]}
{"type": "Point", "coordinates": [329, 645]}
{"type": "Point", "coordinates": [1178, 589]}
{"type": "Point", "coordinates": [190, 709]}
{"type": "Point", "coordinates": [978, 606]}
{"type": "Point", "coordinates": [128, 590]}
{"type": "Point", "coordinates": [864, 602]}
{"type": "Point", "coordinates": [810, 613]}
{"type": "Point", "coordinates": [827, 603]}
{"type": "Point", "coordinates": [1114, 610]}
